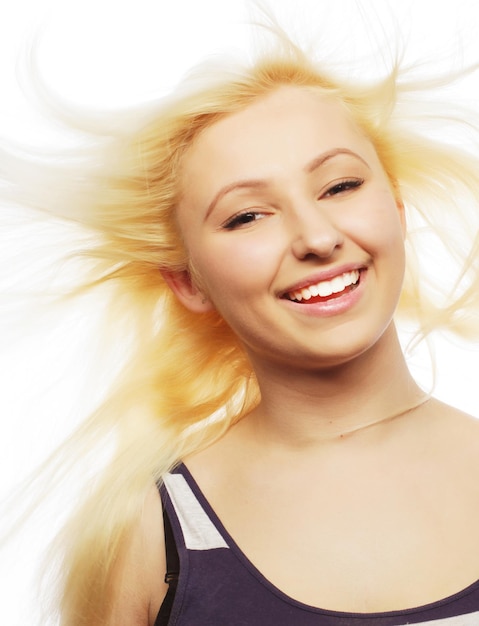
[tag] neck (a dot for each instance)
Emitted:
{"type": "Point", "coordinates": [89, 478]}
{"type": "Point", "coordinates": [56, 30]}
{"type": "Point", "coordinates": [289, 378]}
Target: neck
{"type": "Point", "coordinates": [304, 407]}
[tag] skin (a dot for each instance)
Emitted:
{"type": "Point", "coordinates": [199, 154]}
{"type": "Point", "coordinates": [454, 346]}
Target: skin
{"type": "Point", "coordinates": [303, 227]}
{"type": "Point", "coordinates": [341, 486]}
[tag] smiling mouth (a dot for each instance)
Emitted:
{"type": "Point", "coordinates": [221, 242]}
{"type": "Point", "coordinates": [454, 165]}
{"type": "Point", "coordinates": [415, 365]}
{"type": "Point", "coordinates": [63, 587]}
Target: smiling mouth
{"type": "Point", "coordinates": [326, 289]}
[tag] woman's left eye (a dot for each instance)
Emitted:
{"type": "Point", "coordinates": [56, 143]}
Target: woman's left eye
{"type": "Point", "coordinates": [343, 186]}
{"type": "Point", "coordinates": [242, 219]}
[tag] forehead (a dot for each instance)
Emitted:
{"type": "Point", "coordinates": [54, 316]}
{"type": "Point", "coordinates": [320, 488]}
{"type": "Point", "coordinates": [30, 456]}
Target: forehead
{"type": "Point", "coordinates": [275, 135]}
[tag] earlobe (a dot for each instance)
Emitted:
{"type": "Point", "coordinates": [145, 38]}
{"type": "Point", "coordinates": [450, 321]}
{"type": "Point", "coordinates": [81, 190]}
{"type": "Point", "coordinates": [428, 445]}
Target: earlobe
{"type": "Point", "coordinates": [186, 291]}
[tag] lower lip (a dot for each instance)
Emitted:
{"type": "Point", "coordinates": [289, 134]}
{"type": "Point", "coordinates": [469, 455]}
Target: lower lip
{"type": "Point", "coordinates": [332, 306]}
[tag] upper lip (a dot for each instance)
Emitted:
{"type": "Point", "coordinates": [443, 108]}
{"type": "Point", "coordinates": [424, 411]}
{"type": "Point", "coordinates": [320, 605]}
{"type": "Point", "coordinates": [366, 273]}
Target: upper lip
{"type": "Point", "coordinates": [319, 277]}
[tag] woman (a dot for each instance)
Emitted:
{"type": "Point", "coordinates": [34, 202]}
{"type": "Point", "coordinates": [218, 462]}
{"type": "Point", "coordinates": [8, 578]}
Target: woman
{"type": "Point", "coordinates": [257, 225]}
{"type": "Point", "coordinates": [338, 486]}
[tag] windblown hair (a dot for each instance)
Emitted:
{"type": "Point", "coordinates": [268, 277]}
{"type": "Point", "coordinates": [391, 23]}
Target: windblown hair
{"type": "Point", "coordinates": [188, 378]}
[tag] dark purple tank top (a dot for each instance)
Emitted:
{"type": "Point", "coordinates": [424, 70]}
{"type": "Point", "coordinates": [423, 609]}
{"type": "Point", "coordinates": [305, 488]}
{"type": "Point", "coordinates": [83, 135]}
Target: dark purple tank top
{"type": "Point", "coordinates": [219, 586]}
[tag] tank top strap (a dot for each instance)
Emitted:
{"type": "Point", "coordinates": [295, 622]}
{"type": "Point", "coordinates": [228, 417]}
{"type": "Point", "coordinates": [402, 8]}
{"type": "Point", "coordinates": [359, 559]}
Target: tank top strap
{"type": "Point", "coordinates": [198, 530]}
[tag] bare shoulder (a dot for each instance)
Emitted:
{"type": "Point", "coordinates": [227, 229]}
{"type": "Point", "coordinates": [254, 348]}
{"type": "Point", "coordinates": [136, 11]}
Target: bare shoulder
{"type": "Point", "coordinates": [220, 458]}
{"type": "Point", "coordinates": [140, 588]}
{"type": "Point", "coordinates": [456, 435]}
{"type": "Point", "coordinates": [454, 421]}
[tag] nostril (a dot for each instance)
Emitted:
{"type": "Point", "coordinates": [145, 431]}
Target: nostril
{"type": "Point", "coordinates": [320, 243]}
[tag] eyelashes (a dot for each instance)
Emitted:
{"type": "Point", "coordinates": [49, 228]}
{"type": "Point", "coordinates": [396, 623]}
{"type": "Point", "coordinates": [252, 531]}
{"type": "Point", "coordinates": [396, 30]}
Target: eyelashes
{"type": "Point", "coordinates": [343, 186]}
{"type": "Point", "coordinates": [242, 219]}
{"type": "Point", "coordinates": [247, 217]}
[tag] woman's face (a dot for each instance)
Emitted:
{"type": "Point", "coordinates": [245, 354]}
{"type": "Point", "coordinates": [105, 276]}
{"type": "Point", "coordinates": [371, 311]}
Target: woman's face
{"type": "Point", "coordinates": [293, 231]}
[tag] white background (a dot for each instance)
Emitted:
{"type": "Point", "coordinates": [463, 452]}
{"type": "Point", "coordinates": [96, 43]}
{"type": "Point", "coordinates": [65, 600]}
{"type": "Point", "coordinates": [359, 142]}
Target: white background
{"type": "Point", "coordinates": [107, 53]}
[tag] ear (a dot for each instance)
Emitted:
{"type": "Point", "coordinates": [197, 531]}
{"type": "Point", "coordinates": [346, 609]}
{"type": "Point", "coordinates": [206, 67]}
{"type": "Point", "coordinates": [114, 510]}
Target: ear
{"type": "Point", "coordinates": [402, 216]}
{"type": "Point", "coordinates": [186, 291]}
{"type": "Point", "coordinates": [400, 206]}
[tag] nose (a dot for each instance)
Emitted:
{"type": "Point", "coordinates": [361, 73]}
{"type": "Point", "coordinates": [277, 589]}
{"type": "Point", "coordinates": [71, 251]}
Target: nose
{"type": "Point", "coordinates": [314, 233]}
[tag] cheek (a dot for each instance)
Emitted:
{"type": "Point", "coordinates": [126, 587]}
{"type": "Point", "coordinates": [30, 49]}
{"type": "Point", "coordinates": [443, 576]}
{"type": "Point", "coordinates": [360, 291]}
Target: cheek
{"type": "Point", "coordinates": [377, 224]}
{"type": "Point", "coordinates": [236, 263]}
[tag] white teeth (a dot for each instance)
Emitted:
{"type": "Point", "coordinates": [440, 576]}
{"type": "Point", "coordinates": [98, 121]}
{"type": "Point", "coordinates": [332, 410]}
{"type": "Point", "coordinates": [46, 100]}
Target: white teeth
{"type": "Point", "coordinates": [350, 278]}
{"type": "Point", "coordinates": [338, 284]}
{"type": "Point", "coordinates": [326, 287]}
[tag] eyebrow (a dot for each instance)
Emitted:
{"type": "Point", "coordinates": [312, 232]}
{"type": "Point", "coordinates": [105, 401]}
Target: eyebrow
{"type": "Point", "coordinates": [255, 183]}
{"type": "Point", "coordinates": [326, 156]}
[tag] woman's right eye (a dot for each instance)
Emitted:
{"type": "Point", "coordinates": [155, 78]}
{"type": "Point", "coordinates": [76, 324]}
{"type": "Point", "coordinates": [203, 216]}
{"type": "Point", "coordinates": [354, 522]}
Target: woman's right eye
{"type": "Point", "coordinates": [241, 219]}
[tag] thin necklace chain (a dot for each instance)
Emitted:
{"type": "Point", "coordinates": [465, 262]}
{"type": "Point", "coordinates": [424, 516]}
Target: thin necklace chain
{"type": "Point", "coordinates": [386, 419]}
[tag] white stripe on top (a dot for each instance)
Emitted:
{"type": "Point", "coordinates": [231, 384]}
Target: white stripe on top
{"type": "Point", "coordinates": [199, 532]}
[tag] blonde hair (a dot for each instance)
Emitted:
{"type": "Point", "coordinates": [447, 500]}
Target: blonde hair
{"type": "Point", "coordinates": [188, 379]}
